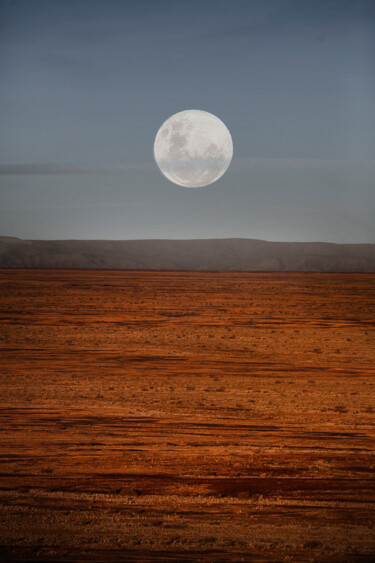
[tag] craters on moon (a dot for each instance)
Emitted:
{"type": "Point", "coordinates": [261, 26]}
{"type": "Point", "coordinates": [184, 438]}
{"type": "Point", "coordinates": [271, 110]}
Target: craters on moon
{"type": "Point", "coordinates": [193, 148]}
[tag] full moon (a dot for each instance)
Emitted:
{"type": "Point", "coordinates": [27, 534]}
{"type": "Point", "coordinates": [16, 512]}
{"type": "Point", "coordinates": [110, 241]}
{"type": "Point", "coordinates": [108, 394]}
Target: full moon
{"type": "Point", "coordinates": [193, 148]}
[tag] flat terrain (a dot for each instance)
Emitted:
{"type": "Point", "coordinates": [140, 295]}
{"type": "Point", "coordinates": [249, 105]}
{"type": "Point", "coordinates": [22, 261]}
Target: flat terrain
{"type": "Point", "coordinates": [150, 416]}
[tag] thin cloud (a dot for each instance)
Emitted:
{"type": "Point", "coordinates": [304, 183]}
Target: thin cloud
{"type": "Point", "coordinates": [308, 164]}
{"type": "Point", "coordinates": [70, 206]}
{"type": "Point", "coordinates": [45, 169]}
{"type": "Point", "coordinates": [303, 164]}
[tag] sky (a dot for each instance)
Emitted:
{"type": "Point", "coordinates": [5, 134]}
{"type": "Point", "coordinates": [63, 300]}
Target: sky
{"type": "Point", "coordinates": [86, 84]}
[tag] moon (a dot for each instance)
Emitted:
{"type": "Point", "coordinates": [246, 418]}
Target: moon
{"type": "Point", "coordinates": [193, 148]}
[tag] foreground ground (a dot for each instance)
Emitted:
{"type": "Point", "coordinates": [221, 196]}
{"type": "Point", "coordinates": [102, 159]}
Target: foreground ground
{"type": "Point", "coordinates": [151, 416]}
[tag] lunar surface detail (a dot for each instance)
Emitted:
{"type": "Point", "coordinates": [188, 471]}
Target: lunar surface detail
{"type": "Point", "coordinates": [193, 148]}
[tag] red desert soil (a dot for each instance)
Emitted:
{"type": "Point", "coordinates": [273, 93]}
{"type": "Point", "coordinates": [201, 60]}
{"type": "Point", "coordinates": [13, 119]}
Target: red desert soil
{"type": "Point", "coordinates": [158, 416]}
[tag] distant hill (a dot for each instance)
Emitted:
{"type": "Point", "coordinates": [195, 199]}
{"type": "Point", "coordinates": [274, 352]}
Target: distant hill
{"type": "Point", "coordinates": [206, 254]}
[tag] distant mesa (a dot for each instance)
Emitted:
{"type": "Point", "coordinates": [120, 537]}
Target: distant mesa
{"type": "Point", "coordinates": [235, 254]}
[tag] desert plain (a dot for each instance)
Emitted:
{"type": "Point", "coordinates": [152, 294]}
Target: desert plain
{"type": "Point", "coordinates": [187, 416]}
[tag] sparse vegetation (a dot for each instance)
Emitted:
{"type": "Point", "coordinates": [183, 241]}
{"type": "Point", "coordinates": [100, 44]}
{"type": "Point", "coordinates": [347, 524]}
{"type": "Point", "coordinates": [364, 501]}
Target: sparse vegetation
{"type": "Point", "coordinates": [186, 414]}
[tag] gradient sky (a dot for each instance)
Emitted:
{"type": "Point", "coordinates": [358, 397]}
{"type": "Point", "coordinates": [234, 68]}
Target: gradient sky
{"type": "Point", "coordinates": [86, 84]}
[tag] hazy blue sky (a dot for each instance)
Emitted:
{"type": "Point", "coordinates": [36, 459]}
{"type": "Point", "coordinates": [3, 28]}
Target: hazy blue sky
{"type": "Point", "coordinates": [86, 84]}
